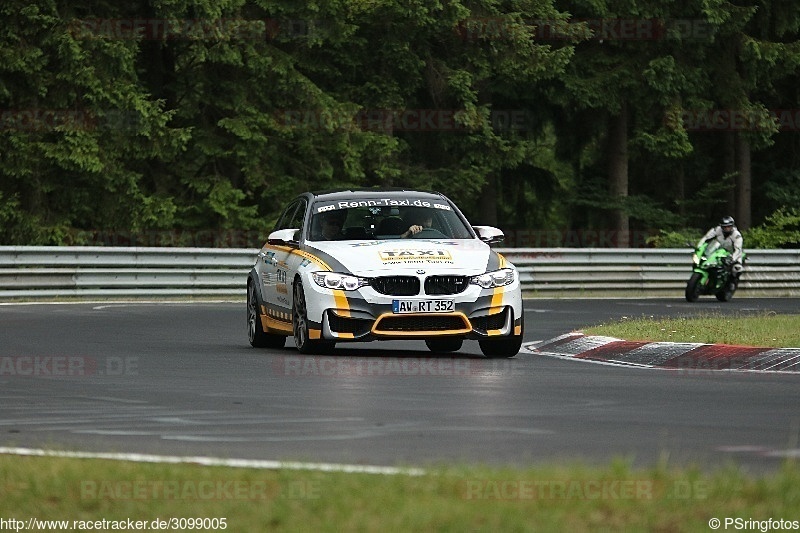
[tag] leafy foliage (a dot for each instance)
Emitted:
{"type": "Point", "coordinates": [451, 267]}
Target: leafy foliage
{"type": "Point", "coordinates": [780, 230]}
{"type": "Point", "coordinates": [205, 116]}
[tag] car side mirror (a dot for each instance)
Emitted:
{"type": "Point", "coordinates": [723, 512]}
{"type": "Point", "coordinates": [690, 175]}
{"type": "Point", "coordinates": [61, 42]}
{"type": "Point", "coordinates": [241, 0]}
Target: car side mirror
{"type": "Point", "coordinates": [489, 234]}
{"type": "Point", "coordinates": [285, 237]}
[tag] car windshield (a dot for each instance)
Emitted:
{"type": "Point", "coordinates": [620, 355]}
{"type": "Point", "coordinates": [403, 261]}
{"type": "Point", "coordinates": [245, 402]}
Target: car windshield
{"type": "Point", "coordinates": [385, 218]}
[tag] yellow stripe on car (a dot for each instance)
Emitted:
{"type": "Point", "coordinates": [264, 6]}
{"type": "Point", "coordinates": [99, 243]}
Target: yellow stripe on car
{"type": "Point", "coordinates": [342, 305]}
{"type": "Point", "coordinates": [497, 293]}
{"type": "Point", "coordinates": [303, 254]}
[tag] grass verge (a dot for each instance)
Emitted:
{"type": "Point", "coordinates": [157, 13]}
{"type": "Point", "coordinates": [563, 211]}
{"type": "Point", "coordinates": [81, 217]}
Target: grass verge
{"type": "Point", "coordinates": [768, 330]}
{"type": "Point", "coordinates": [575, 498]}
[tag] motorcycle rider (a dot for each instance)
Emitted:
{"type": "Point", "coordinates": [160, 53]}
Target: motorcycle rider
{"type": "Point", "coordinates": [730, 239]}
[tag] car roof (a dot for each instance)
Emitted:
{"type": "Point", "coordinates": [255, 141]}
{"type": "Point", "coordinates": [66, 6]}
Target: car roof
{"type": "Point", "coordinates": [336, 194]}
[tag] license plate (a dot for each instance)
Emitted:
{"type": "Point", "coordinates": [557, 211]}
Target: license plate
{"type": "Point", "coordinates": [422, 306]}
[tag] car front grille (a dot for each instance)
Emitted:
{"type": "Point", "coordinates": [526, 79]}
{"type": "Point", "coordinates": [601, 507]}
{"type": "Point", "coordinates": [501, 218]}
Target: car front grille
{"type": "Point", "coordinates": [410, 324]}
{"type": "Point", "coordinates": [396, 285]}
{"type": "Point", "coordinates": [446, 284]}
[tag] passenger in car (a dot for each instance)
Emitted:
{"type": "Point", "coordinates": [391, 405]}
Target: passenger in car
{"type": "Point", "coordinates": [331, 223]}
{"type": "Point", "coordinates": [391, 226]}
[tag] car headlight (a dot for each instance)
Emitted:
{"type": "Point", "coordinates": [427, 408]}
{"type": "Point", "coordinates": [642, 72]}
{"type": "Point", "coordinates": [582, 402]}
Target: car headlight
{"type": "Point", "coordinates": [333, 280]}
{"type": "Point", "coordinates": [498, 278]}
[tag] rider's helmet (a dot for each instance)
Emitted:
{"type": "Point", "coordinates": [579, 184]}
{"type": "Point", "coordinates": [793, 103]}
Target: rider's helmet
{"type": "Point", "coordinates": [727, 225]}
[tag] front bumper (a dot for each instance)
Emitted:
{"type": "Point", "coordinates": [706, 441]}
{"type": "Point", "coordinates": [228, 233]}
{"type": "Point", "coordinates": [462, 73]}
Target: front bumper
{"type": "Point", "coordinates": [365, 314]}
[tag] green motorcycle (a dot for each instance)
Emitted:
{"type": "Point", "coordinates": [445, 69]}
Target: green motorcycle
{"type": "Point", "coordinates": [711, 273]}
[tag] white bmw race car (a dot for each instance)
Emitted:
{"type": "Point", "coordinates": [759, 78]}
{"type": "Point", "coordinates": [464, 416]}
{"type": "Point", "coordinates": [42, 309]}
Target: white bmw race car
{"type": "Point", "coordinates": [372, 264]}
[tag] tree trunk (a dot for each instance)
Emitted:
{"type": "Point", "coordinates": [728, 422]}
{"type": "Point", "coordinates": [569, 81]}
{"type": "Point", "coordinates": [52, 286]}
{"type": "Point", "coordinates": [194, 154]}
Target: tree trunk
{"type": "Point", "coordinates": [744, 185]}
{"type": "Point", "coordinates": [488, 202]}
{"type": "Point", "coordinates": [729, 168]}
{"type": "Point", "coordinates": [679, 188]}
{"type": "Point", "coordinates": [618, 173]}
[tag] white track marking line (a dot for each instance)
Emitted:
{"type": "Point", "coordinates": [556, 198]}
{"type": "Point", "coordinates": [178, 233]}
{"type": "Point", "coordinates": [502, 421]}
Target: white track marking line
{"type": "Point", "coordinates": [216, 461]}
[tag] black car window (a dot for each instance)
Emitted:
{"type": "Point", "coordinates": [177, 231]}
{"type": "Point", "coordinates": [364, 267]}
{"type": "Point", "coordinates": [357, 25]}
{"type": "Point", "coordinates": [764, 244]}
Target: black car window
{"type": "Point", "coordinates": [285, 216]}
{"type": "Point", "coordinates": [296, 221]}
{"type": "Point", "coordinates": [293, 216]}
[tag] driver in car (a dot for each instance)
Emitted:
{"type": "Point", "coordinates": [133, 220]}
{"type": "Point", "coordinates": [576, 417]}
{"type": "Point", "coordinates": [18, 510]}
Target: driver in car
{"type": "Point", "coordinates": [418, 220]}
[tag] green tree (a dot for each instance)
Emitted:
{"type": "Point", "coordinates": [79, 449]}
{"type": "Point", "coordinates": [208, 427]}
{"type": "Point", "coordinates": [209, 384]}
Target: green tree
{"type": "Point", "coordinates": [76, 130]}
{"type": "Point", "coordinates": [587, 114]}
{"type": "Point", "coordinates": [437, 84]}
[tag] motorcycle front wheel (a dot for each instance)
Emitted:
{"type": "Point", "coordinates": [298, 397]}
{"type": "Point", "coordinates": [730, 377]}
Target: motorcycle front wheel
{"type": "Point", "coordinates": [726, 293]}
{"type": "Point", "coordinates": [693, 287]}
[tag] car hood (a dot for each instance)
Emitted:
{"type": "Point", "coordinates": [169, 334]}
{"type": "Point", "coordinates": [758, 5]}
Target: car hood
{"type": "Point", "coordinates": [375, 258]}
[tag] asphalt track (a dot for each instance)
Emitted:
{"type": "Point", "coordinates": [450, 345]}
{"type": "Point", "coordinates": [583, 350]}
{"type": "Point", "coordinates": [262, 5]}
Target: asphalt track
{"type": "Point", "coordinates": [180, 379]}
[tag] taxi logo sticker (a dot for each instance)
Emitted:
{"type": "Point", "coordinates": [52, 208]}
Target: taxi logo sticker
{"type": "Point", "coordinates": [415, 256]}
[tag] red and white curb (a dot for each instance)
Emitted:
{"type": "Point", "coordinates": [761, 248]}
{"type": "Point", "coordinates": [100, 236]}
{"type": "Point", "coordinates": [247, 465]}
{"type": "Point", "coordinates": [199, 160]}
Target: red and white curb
{"type": "Point", "coordinates": [669, 355]}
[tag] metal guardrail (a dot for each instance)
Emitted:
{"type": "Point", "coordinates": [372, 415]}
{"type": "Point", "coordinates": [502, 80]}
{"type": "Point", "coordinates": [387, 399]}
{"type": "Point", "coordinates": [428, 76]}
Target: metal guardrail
{"type": "Point", "coordinates": [43, 272]}
{"type": "Point", "coordinates": [638, 271]}
{"type": "Point", "coordinates": [40, 272]}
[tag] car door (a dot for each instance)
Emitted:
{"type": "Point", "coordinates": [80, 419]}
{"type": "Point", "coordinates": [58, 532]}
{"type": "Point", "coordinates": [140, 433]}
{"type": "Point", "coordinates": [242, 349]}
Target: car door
{"type": "Point", "coordinates": [278, 267]}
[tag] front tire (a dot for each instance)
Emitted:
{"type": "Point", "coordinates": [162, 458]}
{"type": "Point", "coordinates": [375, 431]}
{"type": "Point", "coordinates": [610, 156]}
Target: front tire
{"type": "Point", "coordinates": [726, 293]}
{"type": "Point", "coordinates": [693, 287]}
{"type": "Point", "coordinates": [502, 348]}
{"type": "Point", "coordinates": [305, 344]}
{"type": "Point", "coordinates": [255, 332]}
